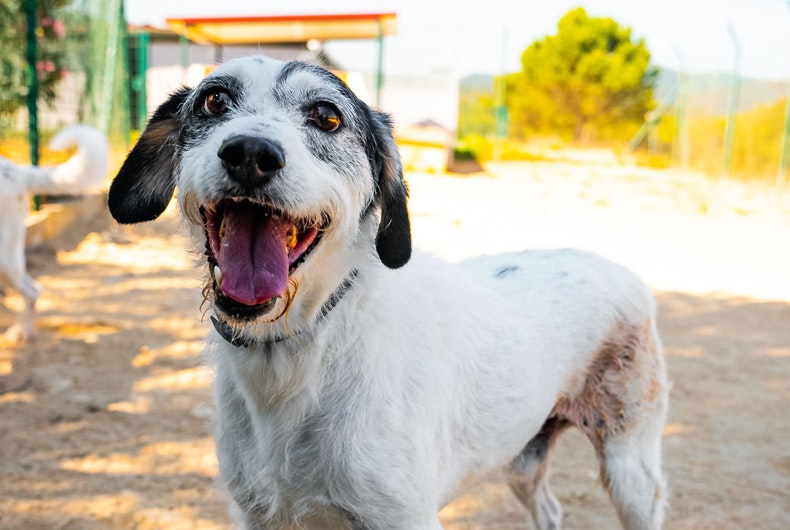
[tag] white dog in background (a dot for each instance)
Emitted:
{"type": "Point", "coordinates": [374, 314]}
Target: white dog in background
{"type": "Point", "coordinates": [358, 385]}
{"type": "Point", "coordinates": [83, 171]}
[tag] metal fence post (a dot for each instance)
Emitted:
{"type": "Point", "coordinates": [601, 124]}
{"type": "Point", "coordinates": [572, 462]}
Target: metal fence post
{"type": "Point", "coordinates": [683, 138]}
{"type": "Point", "coordinates": [32, 86]}
{"type": "Point", "coordinates": [379, 63]}
{"type": "Point", "coordinates": [732, 104]}
{"type": "Point", "coordinates": [780, 177]}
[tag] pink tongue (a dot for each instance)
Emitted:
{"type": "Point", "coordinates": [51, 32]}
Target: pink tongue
{"type": "Point", "coordinates": [252, 254]}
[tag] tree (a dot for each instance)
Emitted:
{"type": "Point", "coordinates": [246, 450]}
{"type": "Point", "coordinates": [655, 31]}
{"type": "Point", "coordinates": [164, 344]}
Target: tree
{"type": "Point", "coordinates": [476, 114]}
{"type": "Point", "coordinates": [588, 80]}
{"type": "Point", "coordinates": [13, 67]}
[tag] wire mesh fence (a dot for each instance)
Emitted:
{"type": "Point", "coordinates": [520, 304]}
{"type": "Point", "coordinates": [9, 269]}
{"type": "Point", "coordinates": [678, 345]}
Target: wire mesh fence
{"type": "Point", "coordinates": [80, 71]}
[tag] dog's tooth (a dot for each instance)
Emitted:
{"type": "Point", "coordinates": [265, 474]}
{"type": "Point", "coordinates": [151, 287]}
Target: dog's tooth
{"type": "Point", "coordinates": [218, 275]}
{"type": "Point", "coordinates": [221, 231]}
{"type": "Point", "coordinates": [291, 237]}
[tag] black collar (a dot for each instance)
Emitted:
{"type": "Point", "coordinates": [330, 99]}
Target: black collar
{"type": "Point", "coordinates": [244, 341]}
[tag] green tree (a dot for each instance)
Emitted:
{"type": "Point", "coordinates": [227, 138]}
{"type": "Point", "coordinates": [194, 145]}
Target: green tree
{"type": "Point", "coordinates": [476, 114]}
{"type": "Point", "coordinates": [49, 60]}
{"type": "Point", "coordinates": [590, 80]}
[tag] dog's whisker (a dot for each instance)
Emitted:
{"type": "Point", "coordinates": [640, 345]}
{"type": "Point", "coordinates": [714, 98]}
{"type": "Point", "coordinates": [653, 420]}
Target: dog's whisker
{"type": "Point", "coordinates": [288, 298]}
{"type": "Point", "coordinates": [206, 297]}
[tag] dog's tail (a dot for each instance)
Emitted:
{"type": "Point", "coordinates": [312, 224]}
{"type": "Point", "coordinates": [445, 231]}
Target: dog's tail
{"type": "Point", "coordinates": [86, 169]}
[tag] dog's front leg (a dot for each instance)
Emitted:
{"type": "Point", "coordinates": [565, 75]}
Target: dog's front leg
{"type": "Point", "coordinates": [24, 326]}
{"type": "Point", "coordinates": [357, 523]}
{"type": "Point", "coordinates": [393, 522]}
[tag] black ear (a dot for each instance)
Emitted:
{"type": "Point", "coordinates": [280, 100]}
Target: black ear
{"type": "Point", "coordinates": [393, 241]}
{"type": "Point", "coordinates": [145, 183]}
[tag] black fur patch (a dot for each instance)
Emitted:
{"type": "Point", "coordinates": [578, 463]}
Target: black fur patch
{"type": "Point", "coordinates": [506, 271]}
{"type": "Point", "coordinates": [195, 124]}
{"type": "Point", "coordinates": [393, 240]}
{"type": "Point", "coordinates": [145, 183]}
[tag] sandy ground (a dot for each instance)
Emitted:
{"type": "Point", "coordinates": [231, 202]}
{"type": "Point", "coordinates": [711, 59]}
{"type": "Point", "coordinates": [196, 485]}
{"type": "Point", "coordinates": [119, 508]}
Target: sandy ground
{"type": "Point", "coordinates": [104, 416]}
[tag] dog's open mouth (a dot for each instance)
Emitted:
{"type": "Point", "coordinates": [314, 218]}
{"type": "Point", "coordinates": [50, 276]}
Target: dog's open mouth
{"type": "Point", "coordinates": [252, 249]}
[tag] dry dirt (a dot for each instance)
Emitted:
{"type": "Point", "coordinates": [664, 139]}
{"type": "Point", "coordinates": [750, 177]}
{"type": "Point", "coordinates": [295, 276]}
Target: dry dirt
{"type": "Point", "coordinates": [104, 416]}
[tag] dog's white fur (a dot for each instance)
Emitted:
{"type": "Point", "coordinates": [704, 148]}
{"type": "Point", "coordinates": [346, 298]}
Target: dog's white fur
{"type": "Point", "coordinates": [378, 412]}
{"type": "Point", "coordinates": [81, 172]}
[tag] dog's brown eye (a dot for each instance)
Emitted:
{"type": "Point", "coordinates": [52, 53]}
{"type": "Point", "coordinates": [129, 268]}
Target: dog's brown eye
{"type": "Point", "coordinates": [325, 117]}
{"type": "Point", "coordinates": [216, 102]}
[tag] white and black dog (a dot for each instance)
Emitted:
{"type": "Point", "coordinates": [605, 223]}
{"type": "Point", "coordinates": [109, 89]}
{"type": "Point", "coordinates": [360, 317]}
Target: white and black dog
{"type": "Point", "coordinates": [358, 385]}
{"type": "Point", "coordinates": [86, 169]}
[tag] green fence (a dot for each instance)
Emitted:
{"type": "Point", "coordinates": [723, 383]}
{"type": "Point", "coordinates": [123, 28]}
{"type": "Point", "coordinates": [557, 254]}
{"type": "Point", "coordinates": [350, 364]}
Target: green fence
{"type": "Point", "coordinates": [80, 72]}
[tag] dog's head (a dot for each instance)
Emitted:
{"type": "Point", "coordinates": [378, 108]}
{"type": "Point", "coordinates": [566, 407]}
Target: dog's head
{"type": "Point", "coordinates": [273, 161]}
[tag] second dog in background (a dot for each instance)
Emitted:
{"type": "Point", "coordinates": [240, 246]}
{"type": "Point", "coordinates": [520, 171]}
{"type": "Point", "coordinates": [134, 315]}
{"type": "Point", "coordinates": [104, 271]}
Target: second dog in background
{"type": "Point", "coordinates": [86, 169]}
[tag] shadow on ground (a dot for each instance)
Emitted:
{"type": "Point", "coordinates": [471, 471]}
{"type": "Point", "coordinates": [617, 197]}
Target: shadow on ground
{"type": "Point", "coordinates": [104, 416]}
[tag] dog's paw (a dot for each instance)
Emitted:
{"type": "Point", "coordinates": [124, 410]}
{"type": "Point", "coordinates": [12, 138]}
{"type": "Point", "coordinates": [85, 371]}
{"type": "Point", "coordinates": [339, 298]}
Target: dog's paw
{"type": "Point", "coordinates": [17, 334]}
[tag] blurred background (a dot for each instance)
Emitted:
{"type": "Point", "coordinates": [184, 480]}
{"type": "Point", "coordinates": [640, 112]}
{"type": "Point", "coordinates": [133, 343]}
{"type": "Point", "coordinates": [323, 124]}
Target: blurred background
{"type": "Point", "coordinates": [699, 85]}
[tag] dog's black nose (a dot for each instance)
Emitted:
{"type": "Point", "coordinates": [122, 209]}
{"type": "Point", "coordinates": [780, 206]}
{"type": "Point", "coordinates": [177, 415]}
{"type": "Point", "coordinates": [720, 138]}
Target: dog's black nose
{"type": "Point", "coordinates": [250, 160]}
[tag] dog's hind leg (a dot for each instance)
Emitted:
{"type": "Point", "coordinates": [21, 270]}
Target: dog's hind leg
{"type": "Point", "coordinates": [621, 409]}
{"type": "Point", "coordinates": [631, 469]}
{"type": "Point", "coordinates": [631, 455]}
{"type": "Point", "coordinates": [528, 476]}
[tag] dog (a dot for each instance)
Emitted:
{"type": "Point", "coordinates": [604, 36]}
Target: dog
{"type": "Point", "coordinates": [359, 384]}
{"type": "Point", "coordinates": [81, 172]}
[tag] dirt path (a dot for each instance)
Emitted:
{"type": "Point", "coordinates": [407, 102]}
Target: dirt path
{"type": "Point", "coordinates": [104, 417]}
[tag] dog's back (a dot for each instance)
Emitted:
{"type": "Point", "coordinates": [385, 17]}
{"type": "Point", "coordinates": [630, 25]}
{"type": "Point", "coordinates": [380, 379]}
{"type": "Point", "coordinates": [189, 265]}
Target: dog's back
{"type": "Point", "coordinates": [81, 172]}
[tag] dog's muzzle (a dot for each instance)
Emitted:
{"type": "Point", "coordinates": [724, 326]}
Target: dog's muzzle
{"type": "Point", "coordinates": [253, 247]}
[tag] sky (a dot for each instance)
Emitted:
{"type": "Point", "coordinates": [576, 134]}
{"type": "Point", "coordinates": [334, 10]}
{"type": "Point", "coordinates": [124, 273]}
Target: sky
{"type": "Point", "coordinates": [488, 36]}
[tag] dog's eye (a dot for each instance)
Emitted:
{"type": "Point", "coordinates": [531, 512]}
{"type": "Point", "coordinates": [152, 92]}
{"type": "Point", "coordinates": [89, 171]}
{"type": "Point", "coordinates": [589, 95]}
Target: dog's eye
{"type": "Point", "coordinates": [325, 117]}
{"type": "Point", "coordinates": [216, 102]}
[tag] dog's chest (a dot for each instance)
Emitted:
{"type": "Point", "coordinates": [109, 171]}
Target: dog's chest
{"type": "Point", "coordinates": [298, 467]}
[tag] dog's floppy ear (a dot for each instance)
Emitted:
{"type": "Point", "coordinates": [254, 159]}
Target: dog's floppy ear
{"type": "Point", "coordinates": [393, 241]}
{"type": "Point", "coordinates": [145, 183]}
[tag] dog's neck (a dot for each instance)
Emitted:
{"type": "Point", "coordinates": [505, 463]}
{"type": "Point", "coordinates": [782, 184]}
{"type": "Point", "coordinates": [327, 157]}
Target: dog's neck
{"type": "Point", "coordinates": [242, 340]}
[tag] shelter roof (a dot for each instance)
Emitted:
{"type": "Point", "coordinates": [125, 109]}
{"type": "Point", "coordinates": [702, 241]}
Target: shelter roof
{"type": "Point", "coordinates": [284, 28]}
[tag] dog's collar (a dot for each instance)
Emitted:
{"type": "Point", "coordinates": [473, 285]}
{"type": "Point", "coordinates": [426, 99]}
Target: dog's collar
{"type": "Point", "coordinates": [241, 340]}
